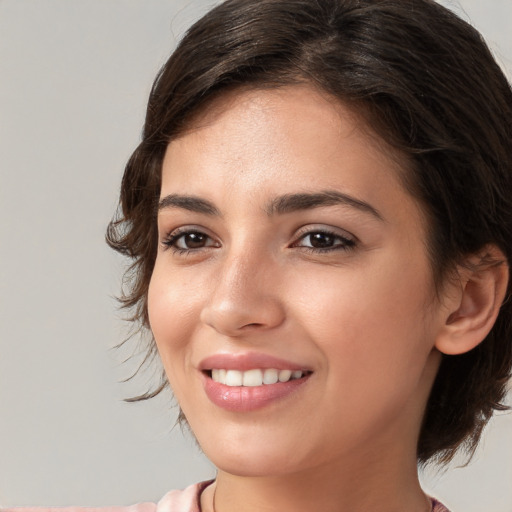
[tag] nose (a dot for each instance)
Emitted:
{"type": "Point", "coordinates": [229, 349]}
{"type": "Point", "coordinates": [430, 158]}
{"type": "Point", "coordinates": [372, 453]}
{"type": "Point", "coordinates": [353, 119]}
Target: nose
{"type": "Point", "coordinates": [244, 297]}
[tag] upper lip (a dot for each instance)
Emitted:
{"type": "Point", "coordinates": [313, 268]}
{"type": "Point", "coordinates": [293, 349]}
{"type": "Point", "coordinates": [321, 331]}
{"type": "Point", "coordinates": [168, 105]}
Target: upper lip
{"type": "Point", "coordinates": [247, 361]}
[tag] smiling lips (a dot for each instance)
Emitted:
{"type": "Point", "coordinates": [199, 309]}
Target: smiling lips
{"type": "Point", "coordinates": [247, 382]}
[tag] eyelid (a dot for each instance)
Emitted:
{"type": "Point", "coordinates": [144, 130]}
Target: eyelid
{"type": "Point", "coordinates": [185, 228]}
{"type": "Point", "coordinates": [322, 228]}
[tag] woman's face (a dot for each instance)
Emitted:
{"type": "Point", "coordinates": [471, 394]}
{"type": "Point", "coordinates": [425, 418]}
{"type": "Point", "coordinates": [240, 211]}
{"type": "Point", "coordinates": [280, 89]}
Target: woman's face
{"type": "Point", "coordinates": [287, 245]}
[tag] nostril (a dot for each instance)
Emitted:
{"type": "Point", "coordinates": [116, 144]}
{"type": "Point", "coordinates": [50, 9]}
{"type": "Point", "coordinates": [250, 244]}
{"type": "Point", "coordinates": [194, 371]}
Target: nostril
{"type": "Point", "coordinates": [242, 313]}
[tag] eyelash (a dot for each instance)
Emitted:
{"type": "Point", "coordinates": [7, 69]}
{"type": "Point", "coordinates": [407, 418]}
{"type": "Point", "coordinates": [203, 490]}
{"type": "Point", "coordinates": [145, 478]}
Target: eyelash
{"type": "Point", "coordinates": [173, 238]}
{"type": "Point", "coordinates": [344, 243]}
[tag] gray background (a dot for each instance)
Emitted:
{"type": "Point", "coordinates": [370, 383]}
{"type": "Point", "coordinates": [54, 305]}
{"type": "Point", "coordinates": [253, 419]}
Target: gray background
{"type": "Point", "coordinates": [74, 78]}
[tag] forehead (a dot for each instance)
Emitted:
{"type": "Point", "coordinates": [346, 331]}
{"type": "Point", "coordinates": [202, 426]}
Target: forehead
{"type": "Point", "coordinates": [271, 105]}
{"type": "Point", "coordinates": [287, 134]}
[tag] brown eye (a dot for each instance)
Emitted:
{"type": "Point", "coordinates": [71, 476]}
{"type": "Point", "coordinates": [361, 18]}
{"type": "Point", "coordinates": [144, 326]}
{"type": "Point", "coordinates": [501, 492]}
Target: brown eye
{"type": "Point", "coordinates": [189, 241]}
{"type": "Point", "coordinates": [321, 240]}
{"type": "Point", "coordinates": [324, 241]}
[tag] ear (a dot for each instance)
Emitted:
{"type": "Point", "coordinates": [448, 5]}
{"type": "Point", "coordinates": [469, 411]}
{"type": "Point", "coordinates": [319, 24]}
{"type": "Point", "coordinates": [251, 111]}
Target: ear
{"type": "Point", "coordinates": [473, 301]}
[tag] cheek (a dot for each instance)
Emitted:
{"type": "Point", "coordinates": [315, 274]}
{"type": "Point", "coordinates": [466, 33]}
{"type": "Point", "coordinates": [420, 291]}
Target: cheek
{"type": "Point", "coordinates": [173, 303]}
{"type": "Point", "coordinates": [173, 307]}
{"type": "Point", "coordinates": [370, 321]}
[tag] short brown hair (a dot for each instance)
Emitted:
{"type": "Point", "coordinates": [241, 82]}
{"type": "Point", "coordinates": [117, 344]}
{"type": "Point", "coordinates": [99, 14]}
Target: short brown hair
{"type": "Point", "coordinates": [426, 82]}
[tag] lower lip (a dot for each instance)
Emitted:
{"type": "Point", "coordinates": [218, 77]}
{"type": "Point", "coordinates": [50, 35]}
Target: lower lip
{"type": "Point", "coordinates": [248, 398]}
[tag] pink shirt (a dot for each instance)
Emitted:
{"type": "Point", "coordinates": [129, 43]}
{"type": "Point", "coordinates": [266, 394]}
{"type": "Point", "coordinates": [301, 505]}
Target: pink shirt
{"type": "Point", "coordinates": [174, 501]}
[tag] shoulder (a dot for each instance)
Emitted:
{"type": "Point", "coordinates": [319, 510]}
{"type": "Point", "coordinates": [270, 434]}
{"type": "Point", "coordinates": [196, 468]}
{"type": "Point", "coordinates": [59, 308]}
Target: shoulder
{"type": "Point", "coordinates": [186, 500]}
{"type": "Point", "coordinates": [438, 506]}
{"type": "Point", "coordinates": [140, 507]}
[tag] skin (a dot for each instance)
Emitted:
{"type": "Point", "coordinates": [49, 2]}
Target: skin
{"type": "Point", "coordinates": [362, 314]}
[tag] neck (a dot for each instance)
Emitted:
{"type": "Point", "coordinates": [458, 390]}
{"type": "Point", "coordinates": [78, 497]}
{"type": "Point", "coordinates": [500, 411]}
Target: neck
{"type": "Point", "coordinates": [377, 486]}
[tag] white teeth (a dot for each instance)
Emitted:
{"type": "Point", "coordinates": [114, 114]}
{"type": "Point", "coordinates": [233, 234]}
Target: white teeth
{"type": "Point", "coordinates": [284, 375]}
{"type": "Point", "coordinates": [255, 377]}
{"type": "Point", "coordinates": [270, 376]}
{"type": "Point", "coordinates": [219, 375]}
{"type": "Point", "coordinates": [233, 378]}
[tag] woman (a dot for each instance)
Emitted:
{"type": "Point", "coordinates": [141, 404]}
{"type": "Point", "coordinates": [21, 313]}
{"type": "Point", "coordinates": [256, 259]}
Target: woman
{"type": "Point", "coordinates": [320, 220]}
{"type": "Point", "coordinates": [326, 276]}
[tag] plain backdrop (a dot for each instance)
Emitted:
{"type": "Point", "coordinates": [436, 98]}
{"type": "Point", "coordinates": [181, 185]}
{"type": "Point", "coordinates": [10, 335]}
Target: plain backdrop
{"type": "Point", "coordinates": [74, 79]}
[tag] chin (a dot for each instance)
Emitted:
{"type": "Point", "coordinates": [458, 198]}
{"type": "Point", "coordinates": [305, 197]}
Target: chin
{"type": "Point", "coordinates": [255, 459]}
{"type": "Point", "coordinates": [248, 466]}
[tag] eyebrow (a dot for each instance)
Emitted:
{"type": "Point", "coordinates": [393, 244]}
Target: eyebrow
{"type": "Point", "coordinates": [289, 203]}
{"type": "Point", "coordinates": [190, 203]}
{"type": "Point", "coordinates": [280, 205]}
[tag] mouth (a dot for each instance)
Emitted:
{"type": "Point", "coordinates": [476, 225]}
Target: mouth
{"type": "Point", "coordinates": [254, 377]}
{"type": "Point", "coordinates": [248, 381]}
{"type": "Point", "coordinates": [242, 383]}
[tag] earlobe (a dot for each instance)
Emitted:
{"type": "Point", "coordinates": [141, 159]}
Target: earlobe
{"type": "Point", "coordinates": [474, 302]}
